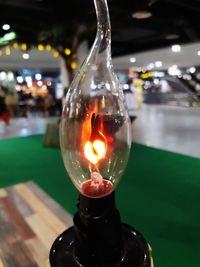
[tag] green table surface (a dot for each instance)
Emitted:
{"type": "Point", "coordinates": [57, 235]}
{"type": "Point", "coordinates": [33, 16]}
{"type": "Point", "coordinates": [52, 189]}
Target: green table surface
{"type": "Point", "coordinates": [159, 193]}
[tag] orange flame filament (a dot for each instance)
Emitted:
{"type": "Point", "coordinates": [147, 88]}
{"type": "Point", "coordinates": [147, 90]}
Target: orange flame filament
{"type": "Point", "coordinates": [94, 151]}
{"type": "Point", "coordinates": [92, 138]}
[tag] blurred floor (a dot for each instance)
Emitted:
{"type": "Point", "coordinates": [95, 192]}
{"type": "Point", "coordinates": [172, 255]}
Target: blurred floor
{"type": "Point", "coordinates": [25, 126]}
{"type": "Point", "coordinates": [170, 128]}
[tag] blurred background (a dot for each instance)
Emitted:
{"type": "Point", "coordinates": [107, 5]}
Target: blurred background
{"type": "Point", "coordinates": [155, 51]}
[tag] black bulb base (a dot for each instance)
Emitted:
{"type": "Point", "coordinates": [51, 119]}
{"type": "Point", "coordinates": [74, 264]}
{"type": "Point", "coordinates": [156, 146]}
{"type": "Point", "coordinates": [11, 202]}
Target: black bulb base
{"type": "Point", "coordinates": [99, 239]}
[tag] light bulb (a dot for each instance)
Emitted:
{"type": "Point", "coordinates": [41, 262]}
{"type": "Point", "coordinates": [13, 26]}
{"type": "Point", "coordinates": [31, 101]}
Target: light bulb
{"type": "Point", "coordinates": [95, 129]}
{"type": "Point", "coordinates": [95, 140]}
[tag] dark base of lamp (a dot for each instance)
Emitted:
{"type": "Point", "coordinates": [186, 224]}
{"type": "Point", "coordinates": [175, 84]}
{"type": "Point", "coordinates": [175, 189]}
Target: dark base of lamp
{"type": "Point", "coordinates": [98, 238]}
{"type": "Point", "coordinates": [136, 250]}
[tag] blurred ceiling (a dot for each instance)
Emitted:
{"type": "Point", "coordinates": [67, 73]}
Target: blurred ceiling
{"type": "Point", "coordinates": [187, 57]}
{"type": "Point", "coordinates": [37, 60]}
{"type": "Point", "coordinates": [67, 22]}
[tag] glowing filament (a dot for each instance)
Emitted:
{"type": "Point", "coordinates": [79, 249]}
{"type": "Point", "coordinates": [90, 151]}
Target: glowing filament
{"type": "Point", "coordinates": [94, 151]}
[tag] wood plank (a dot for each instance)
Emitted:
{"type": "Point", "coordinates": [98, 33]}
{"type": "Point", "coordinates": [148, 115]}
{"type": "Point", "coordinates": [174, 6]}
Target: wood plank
{"type": "Point", "coordinates": [1, 263]}
{"type": "Point", "coordinates": [3, 193]}
{"type": "Point", "coordinates": [62, 214]}
{"type": "Point", "coordinates": [13, 255]}
{"type": "Point", "coordinates": [8, 232]}
{"type": "Point", "coordinates": [43, 232]}
{"type": "Point", "coordinates": [47, 263]}
{"type": "Point", "coordinates": [19, 202]}
{"type": "Point", "coordinates": [30, 221]}
{"type": "Point", "coordinates": [38, 251]}
{"type": "Point", "coordinates": [37, 205]}
{"type": "Point", "coordinates": [21, 255]}
{"type": "Point", "coordinates": [17, 219]}
{"type": "Point", "coordinates": [7, 259]}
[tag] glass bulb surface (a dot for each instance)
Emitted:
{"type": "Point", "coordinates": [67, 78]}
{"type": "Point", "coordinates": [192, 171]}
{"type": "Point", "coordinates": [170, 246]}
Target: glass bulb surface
{"type": "Point", "coordinates": [95, 128]}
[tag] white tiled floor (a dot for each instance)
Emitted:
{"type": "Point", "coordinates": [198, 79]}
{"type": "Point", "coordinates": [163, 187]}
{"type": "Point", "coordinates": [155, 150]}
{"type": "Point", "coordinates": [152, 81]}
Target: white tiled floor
{"type": "Point", "coordinates": [175, 129]}
{"type": "Point", "coordinates": [25, 126]}
{"type": "Point", "coordinates": [170, 128]}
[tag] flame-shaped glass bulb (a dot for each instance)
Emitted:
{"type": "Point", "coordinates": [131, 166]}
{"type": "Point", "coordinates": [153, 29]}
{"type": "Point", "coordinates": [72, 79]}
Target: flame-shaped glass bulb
{"type": "Point", "coordinates": [95, 129]}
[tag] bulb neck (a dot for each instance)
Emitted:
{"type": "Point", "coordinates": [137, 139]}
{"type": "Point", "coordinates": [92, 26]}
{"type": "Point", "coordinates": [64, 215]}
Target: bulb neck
{"type": "Point", "coordinates": [103, 24]}
{"type": "Point", "coordinates": [98, 231]}
{"type": "Point", "coordinates": [89, 208]}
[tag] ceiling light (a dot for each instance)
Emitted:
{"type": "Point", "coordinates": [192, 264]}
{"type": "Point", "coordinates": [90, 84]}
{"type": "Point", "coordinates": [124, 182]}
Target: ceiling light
{"type": "Point", "coordinates": [10, 76]}
{"type": "Point", "coordinates": [158, 74]}
{"type": "Point", "coordinates": [55, 53]}
{"type": "Point", "coordinates": [7, 50]}
{"type": "Point", "coordinates": [174, 71]}
{"type": "Point", "coordinates": [67, 51]}
{"type": "Point", "coordinates": [142, 14]}
{"type": "Point", "coordinates": [20, 79]}
{"type": "Point", "coordinates": [25, 56]}
{"type": "Point", "coordinates": [156, 81]}
{"type": "Point", "coordinates": [6, 27]}
{"type": "Point", "coordinates": [40, 47]}
{"type": "Point", "coordinates": [39, 83]}
{"type": "Point", "coordinates": [158, 64]}
{"type": "Point", "coordinates": [3, 75]}
{"type": "Point", "coordinates": [132, 59]}
{"type": "Point", "coordinates": [187, 77]}
{"type": "Point", "coordinates": [198, 53]}
{"type": "Point", "coordinates": [24, 47]}
{"type": "Point", "coordinates": [192, 70]}
{"type": "Point", "coordinates": [150, 66]}
{"type": "Point", "coordinates": [29, 84]}
{"type": "Point", "coordinates": [15, 45]}
{"type": "Point", "coordinates": [126, 86]}
{"type": "Point", "coordinates": [38, 76]}
{"type": "Point", "coordinates": [176, 48]}
{"type": "Point", "coordinates": [73, 65]}
{"type": "Point", "coordinates": [48, 47]}
{"type": "Point", "coordinates": [28, 79]}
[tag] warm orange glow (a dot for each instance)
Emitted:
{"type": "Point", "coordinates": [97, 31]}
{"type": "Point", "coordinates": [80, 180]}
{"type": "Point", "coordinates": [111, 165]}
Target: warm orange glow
{"type": "Point", "coordinates": [67, 51]}
{"type": "Point", "coordinates": [24, 47]}
{"type": "Point", "coordinates": [55, 53]}
{"type": "Point", "coordinates": [87, 126]}
{"type": "Point", "coordinates": [15, 45]}
{"type": "Point", "coordinates": [94, 151]}
{"type": "Point", "coordinates": [48, 47]}
{"type": "Point", "coordinates": [93, 139]}
{"type": "Point", "coordinates": [40, 47]}
{"type": "Point", "coordinates": [73, 65]}
{"type": "Point", "coordinates": [7, 51]}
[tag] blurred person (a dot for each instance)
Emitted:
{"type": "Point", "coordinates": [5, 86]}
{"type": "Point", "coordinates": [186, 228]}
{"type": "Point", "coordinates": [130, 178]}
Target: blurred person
{"type": "Point", "coordinates": [58, 107]}
{"type": "Point", "coordinates": [22, 104]}
{"type": "Point", "coordinates": [30, 105]}
{"type": "Point", "coordinates": [39, 104]}
{"type": "Point", "coordinates": [4, 113]}
{"type": "Point", "coordinates": [48, 105]}
{"type": "Point", "coordinates": [11, 100]}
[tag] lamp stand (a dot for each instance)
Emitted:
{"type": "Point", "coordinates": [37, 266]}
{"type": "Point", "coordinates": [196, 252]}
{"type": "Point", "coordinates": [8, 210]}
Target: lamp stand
{"type": "Point", "coordinates": [99, 239]}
